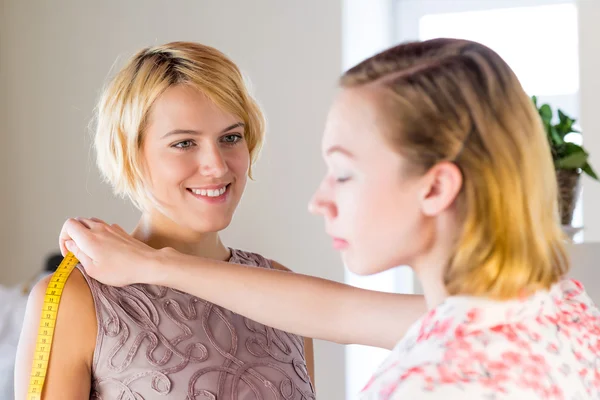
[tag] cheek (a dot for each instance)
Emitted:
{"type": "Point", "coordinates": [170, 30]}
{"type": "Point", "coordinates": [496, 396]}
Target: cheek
{"type": "Point", "coordinates": [166, 170]}
{"type": "Point", "coordinates": [365, 202]}
{"type": "Point", "coordinates": [377, 218]}
{"type": "Point", "coordinates": [399, 231]}
{"type": "Point", "coordinates": [371, 211]}
{"type": "Point", "coordinates": [238, 161]}
{"type": "Point", "coordinates": [358, 212]}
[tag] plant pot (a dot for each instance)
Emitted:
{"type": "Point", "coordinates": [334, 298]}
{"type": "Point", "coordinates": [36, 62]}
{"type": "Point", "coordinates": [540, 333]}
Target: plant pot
{"type": "Point", "coordinates": [568, 193]}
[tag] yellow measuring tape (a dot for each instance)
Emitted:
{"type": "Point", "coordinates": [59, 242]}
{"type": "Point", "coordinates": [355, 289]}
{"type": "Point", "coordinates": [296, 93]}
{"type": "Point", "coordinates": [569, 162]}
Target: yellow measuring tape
{"type": "Point", "coordinates": [47, 324]}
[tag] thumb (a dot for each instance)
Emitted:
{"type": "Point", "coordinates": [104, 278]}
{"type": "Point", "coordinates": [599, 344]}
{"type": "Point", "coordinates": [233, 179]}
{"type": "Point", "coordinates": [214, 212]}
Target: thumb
{"type": "Point", "coordinates": [83, 259]}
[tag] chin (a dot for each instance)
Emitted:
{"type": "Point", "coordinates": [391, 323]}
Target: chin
{"type": "Point", "coordinates": [206, 225]}
{"type": "Point", "coordinates": [365, 266]}
{"type": "Point", "coordinates": [356, 265]}
{"type": "Point", "coordinates": [209, 226]}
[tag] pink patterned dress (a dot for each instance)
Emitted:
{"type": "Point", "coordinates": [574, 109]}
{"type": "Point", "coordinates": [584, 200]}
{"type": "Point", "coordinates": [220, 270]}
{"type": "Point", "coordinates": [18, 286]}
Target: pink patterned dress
{"type": "Point", "coordinates": [546, 346]}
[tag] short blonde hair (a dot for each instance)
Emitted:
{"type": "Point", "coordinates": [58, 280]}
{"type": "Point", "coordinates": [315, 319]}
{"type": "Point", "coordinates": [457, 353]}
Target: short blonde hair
{"type": "Point", "coordinates": [124, 106]}
{"type": "Point", "coordinates": [458, 101]}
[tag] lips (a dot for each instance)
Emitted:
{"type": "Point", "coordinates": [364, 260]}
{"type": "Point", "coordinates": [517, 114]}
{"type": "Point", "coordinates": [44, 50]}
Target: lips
{"type": "Point", "coordinates": [340, 244]}
{"type": "Point", "coordinates": [215, 193]}
{"type": "Point", "coordinates": [209, 192]}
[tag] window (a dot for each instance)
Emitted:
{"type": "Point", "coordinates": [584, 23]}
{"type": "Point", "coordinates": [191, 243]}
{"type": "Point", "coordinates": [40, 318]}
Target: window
{"type": "Point", "coordinates": [537, 52]}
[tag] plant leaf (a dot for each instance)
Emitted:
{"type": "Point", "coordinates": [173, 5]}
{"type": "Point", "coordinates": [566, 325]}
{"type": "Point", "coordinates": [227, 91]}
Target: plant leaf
{"type": "Point", "coordinates": [557, 138]}
{"type": "Point", "coordinates": [577, 159]}
{"type": "Point", "coordinates": [565, 124]}
{"type": "Point", "coordinates": [546, 113]}
{"type": "Point", "coordinates": [570, 148]}
{"type": "Point", "coordinates": [561, 115]}
{"type": "Point", "coordinates": [587, 168]}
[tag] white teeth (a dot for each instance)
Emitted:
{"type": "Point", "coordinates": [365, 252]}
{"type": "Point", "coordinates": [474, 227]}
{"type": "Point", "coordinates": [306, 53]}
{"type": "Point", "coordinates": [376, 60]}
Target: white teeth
{"type": "Point", "coordinates": [210, 192]}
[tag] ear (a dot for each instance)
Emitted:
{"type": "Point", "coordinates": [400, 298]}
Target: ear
{"type": "Point", "coordinates": [442, 185]}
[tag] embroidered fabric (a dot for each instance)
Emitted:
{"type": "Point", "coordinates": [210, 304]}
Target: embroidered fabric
{"type": "Point", "coordinates": [155, 343]}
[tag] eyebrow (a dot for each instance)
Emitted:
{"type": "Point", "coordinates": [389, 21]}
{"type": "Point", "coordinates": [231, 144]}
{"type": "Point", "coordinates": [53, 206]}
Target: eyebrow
{"type": "Point", "coordinates": [339, 149]}
{"type": "Point", "coordinates": [194, 132]}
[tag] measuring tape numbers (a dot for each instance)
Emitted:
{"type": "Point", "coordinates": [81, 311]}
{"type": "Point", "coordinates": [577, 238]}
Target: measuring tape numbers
{"type": "Point", "coordinates": [45, 335]}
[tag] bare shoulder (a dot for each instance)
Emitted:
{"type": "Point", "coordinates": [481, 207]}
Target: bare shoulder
{"type": "Point", "coordinates": [73, 341]}
{"type": "Point", "coordinates": [76, 301]}
{"type": "Point", "coordinates": [279, 266]}
{"type": "Point", "coordinates": [76, 285]}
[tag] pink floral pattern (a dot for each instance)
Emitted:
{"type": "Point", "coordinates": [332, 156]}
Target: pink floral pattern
{"type": "Point", "coordinates": [546, 346]}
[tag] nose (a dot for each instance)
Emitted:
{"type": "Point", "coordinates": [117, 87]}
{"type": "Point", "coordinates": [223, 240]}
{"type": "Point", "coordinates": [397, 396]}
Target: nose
{"type": "Point", "coordinates": [321, 202]}
{"type": "Point", "coordinates": [212, 162]}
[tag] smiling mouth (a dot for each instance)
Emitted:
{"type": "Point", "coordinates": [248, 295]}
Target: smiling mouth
{"type": "Point", "coordinates": [210, 193]}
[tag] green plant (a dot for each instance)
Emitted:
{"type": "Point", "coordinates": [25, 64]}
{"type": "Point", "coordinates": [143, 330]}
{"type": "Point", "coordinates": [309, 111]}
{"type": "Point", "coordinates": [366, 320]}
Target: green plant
{"type": "Point", "coordinates": [566, 155]}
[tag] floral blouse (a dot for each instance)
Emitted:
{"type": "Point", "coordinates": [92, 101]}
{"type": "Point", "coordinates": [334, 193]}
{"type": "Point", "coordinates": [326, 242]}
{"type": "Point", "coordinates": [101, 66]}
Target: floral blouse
{"type": "Point", "coordinates": [546, 346]}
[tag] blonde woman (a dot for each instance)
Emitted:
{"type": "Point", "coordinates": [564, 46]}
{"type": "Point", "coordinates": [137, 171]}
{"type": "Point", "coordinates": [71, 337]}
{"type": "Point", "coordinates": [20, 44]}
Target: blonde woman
{"type": "Point", "coordinates": [436, 159]}
{"type": "Point", "coordinates": [177, 133]}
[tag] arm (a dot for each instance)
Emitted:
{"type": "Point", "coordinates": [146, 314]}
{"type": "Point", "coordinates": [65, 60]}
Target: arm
{"type": "Point", "coordinates": [69, 369]}
{"type": "Point", "coordinates": [309, 352]}
{"type": "Point", "coordinates": [307, 306]}
{"type": "Point", "coordinates": [330, 310]}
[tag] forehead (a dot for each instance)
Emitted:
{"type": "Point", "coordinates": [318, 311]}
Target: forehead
{"type": "Point", "coordinates": [354, 121]}
{"type": "Point", "coordinates": [185, 107]}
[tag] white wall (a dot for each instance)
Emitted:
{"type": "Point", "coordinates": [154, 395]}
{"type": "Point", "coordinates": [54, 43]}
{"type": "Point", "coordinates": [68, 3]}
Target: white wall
{"type": "Point", "coordinates": [7, 206]}
{"type": "Point", "coordinates": [589, 89]}
{"type": "Point", "coordinates": [54, 58]}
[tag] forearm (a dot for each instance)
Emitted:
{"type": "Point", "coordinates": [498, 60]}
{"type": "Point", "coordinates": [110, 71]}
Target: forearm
{"type": "Point", "coordinates": [301, 304]}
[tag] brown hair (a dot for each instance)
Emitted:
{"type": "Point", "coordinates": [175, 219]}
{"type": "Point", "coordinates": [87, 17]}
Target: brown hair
{"type": "Point", "coordinates": [458, 101]}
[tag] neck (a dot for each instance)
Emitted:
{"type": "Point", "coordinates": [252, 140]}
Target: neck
{"type": "Point", "coordinates": [431, 265]}
{"type": "Point", "coordinates": [158, 231]}
{"type": "Point", "coordinates": [430, 277]}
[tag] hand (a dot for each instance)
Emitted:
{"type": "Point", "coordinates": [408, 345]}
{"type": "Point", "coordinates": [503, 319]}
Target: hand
{"type": "Point", "coordinates": [107, 252]}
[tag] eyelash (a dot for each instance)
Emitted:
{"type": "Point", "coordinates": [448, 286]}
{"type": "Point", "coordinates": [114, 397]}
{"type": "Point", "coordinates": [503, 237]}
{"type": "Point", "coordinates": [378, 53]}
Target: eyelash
{"type": "Point", "coordinates": [237, 138]}
{"type": "Point", "coordinates": [342, 180]}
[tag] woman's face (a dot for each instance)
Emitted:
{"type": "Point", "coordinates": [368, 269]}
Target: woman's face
{"type": "Point", "coordinates": [196, 159]}
{"type": "Point", "coordinates": [373, 209]}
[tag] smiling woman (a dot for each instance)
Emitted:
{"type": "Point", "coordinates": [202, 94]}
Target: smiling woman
{"type": "Point", "coordinates": [202, 154]}
{"type": "Point", "coordinates": [188, 140]}
{"type": "Point", "coordinates": [177, 133]}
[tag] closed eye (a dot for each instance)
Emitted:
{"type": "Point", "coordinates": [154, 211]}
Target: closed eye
{"type": "Point", "coordinates": [342, 179]}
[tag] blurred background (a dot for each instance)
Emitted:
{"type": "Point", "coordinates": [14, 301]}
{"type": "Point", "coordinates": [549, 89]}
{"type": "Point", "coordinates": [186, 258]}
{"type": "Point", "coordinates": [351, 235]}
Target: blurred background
{"type": "Point", "coordinates": [56, 55]}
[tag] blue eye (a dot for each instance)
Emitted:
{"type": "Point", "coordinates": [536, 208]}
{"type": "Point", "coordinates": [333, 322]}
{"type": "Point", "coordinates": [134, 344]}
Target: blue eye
{"type": "Point", "coordinates": [231, 139]}
{"type": "Point", "coordinates": [184, 144]}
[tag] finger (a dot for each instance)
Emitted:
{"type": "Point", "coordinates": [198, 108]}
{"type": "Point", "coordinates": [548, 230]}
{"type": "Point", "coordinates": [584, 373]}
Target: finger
{"type": "Point", "coordinates": [99, 221]}
{"type": "Point", "coordinates": [83, 258]}
{"type": "Point", "coordinates": [63, 248]}
{"type": "Point", "coordinates": [82, 221]}
{"type": "Point", "coordinates": [91, 222]}
{"type": "Point", "coordinates": [63, 237]}
{"type": "Point", "coordinates": [95, 223]}
{"type": "Point", "coordinates": [83, 237]}
{"type": "Point", "coordinates": [118, 228]}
